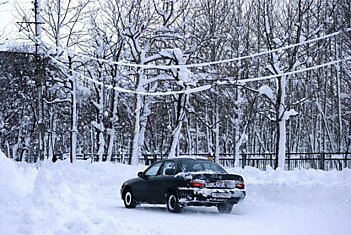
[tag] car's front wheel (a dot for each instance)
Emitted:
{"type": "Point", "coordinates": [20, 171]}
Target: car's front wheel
{"type": "Point", "coordinates": [225, 208]}
{"type": "Point", "coordinates": [128, 198]}
{"type": "Point", "coordinates": [173, 203]}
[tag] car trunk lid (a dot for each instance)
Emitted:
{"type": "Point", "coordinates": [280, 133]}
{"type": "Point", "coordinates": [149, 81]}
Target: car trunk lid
{"type": "Point", "coordinates": [214, 180]}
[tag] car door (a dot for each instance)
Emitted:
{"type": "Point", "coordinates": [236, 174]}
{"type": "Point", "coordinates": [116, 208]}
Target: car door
{"type": "Point", "coordinates": [162, 182]}
{"type": "Point", "coordinates": [146, 185]}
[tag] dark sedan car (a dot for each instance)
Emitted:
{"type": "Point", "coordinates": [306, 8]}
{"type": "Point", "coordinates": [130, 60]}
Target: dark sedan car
{"type": "Point", "coordinates": [180, 182]}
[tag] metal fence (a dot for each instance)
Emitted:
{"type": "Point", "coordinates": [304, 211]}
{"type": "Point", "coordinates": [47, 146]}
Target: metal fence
{"type": "Point", "coordinates": [322, 161]}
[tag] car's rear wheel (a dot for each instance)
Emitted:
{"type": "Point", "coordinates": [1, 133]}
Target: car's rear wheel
{"type": "Point", "coordinates": [225, 208]}
{"type": "Point", "coordinates": [128, 198]}
{"type": "Point", "coordinates": [173, 203]}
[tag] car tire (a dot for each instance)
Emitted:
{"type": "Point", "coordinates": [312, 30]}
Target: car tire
{"type": "Point", "coordinates": [128, 199]}
{"type": "Point", "coordinates": [225, 208]}
{"type": "Point", "coordinates": [173, 203]}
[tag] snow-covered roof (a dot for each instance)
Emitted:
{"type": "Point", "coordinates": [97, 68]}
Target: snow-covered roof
{"type": "Point", "coordinates": [3, 46]}
{"type": "Point", "coordinates": [190, 157]}
{"type": "Point", "coordinates": [8, 45]}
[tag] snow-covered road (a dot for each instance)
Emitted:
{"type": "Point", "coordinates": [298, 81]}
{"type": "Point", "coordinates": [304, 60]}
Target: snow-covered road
{"type": "Point", "coordinates": [247, 217]}
{"type": "Point", "coordinates": [84, 198]}
{"type": "Point", "coordinates": [243, 220]}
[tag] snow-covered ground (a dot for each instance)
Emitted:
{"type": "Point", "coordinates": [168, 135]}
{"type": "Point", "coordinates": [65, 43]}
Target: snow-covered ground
{"type": "Point", "coordinates": [83, 198]}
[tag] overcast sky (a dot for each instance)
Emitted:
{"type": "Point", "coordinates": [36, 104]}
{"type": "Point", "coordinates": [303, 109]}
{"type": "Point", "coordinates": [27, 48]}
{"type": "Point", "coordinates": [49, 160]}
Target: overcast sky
{"type": "Point", "coordinates": [9, 16]}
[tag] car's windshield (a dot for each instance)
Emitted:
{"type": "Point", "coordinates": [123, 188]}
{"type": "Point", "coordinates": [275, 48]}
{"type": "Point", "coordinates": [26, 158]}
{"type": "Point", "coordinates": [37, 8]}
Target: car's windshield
{"type": "Point", "coordinates": [192, 165]}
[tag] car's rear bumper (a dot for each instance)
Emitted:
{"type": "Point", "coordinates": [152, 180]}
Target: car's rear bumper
{"type": "Point", "coordinates": [209, 197]}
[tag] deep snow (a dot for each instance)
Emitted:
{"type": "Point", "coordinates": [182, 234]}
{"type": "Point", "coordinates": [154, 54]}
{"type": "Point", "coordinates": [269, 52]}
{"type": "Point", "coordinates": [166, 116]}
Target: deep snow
{"type": "Point", "coordinates": [83, 198]}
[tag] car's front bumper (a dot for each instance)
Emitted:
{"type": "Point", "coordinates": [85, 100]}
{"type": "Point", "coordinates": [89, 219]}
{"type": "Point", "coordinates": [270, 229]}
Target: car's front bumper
{"type": "Point", "coordinates": [209, 196]}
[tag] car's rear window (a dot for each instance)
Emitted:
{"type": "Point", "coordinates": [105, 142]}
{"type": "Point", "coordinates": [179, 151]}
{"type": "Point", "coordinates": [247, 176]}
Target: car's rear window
{"type": "Point", "coordinates": [192, 165]}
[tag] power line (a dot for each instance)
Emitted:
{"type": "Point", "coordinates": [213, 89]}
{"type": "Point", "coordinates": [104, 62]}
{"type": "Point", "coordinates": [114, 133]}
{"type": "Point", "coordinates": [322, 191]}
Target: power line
{"type": "Point", "coordinates": [199, 64]}
{"type": "Point", "coordinates": [205, 87]}
{"type": "Point", "coordinates": [6, 4]}
{"type": "Point", "coordinates": [206, 64]}
{"type": "Point", "coordinates": [120, 89]}
{"type": "Point", "coordinates": [295, 71]}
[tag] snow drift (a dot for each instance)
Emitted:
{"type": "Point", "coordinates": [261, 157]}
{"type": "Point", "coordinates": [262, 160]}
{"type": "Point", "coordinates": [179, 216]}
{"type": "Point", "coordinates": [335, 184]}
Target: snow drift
{"type": "Point", "coordinates": [14, 183]}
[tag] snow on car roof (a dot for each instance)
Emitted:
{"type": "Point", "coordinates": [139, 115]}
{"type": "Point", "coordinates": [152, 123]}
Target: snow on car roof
{"type": "Point", "coordinates": [190, 157]}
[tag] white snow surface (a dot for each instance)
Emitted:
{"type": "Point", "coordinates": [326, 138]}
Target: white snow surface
{"type": "Point", "coordinates": [266, 90]}
{"type": "Point", "coordinates": [83, 198]}
{"type": "Point", "coordinates": [290, 113]}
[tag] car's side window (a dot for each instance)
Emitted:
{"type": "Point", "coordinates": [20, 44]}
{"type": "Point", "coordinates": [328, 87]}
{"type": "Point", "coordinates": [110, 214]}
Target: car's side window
{"type": "Point", "coordinates": [152, 171]}
{"type": "Point", "coordinates": [168, 168]}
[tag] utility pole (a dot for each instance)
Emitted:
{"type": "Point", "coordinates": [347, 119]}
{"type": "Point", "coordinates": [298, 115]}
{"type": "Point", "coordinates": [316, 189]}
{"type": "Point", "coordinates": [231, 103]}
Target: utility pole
{"type": "Point", "coordinates": [25, 25]}
{"type": "Point", "coordinates": [39, 78]}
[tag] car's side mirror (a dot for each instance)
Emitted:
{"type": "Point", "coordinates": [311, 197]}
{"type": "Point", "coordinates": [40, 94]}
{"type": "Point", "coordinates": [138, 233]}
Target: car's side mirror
{"type": "Point", "coordinates": [141, 174]}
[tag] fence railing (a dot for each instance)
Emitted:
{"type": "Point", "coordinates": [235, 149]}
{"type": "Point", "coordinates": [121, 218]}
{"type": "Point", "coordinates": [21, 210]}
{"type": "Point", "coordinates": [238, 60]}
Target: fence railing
{"type": "Point", "coordinates": [323, 161]}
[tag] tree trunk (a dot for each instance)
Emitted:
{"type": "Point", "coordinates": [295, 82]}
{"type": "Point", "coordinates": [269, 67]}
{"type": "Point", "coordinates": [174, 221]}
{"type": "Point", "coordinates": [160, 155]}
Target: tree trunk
{"type": "Point", "coordinates": [179, 123]}
{"type": "Point", "coordinates": [74, 130]}
{"type": "Point", "coordinates": [217, 134]}
{"type": "Point", "coordinates": [134, 160]}
{"type": "Point", "coordinates": [113, 121]}
{"type": "Point", "coordinates": [281, 124]}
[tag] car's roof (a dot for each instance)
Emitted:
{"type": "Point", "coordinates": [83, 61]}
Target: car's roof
{"type": "Point", "coordinates": [189, 157]}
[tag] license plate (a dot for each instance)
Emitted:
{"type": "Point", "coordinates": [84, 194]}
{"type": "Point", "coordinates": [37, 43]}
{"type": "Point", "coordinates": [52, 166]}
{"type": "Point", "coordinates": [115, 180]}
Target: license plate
{"type": "Point", "coordinates": [221, 195]}
{"type": "Point", "coordinates": [217, 184]}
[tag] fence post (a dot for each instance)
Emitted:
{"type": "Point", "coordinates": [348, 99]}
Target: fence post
{"type": "Point", "coordinates": [288, 160]}
{"type": "Point", "coordinates": [345, 159]}
{"type": "Point", "coordinates": [243, 161]}
{"type": "Point", "coordinates": [321, 166]}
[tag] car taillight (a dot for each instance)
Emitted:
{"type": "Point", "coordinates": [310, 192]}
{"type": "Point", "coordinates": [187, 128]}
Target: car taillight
{"type": "Point", "coordinates": [240, 185]}
{"type": "Point", "coordinates": [196, 184]}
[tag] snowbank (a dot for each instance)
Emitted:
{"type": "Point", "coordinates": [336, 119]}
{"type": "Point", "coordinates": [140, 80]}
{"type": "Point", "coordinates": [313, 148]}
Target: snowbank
{"type": "Point", "coordinates": [297, 188]}
{"type": "Point", "coordinates": [83, 198]}
{"type": "Point", "coordinates": [14, 183]}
